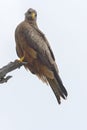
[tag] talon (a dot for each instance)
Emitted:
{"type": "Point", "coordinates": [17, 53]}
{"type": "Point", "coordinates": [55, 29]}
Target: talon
{"type": "Point", "coordinates": [21, 59]}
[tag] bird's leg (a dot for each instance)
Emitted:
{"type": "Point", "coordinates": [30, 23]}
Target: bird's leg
{"type": "Point", "coordinates": [21, 59]}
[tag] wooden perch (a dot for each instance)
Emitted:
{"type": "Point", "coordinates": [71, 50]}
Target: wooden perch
{"type": "Point", "coordinates": [8, 68]}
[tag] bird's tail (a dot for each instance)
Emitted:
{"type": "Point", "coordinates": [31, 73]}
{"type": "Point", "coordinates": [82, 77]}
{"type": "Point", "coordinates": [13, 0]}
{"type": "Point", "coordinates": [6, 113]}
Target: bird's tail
{"type": "Point", "coordinates": [57, 87]}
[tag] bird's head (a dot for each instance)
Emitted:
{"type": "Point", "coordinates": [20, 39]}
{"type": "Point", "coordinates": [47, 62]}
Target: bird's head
{"type": "Point", "coordinates": [31, 15]}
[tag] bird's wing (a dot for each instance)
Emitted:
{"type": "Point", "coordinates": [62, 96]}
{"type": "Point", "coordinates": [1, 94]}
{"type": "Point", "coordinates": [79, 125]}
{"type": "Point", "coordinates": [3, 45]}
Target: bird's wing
{"type": "Point", "coordinates": [38, 42]}
{"type": "Point", "coordinates": [46, 41]}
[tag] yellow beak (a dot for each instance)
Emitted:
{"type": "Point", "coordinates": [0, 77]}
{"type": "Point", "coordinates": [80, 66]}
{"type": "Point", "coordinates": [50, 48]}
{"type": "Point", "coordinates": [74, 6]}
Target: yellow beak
{"type": "Point", "coordinates": [33, 15]}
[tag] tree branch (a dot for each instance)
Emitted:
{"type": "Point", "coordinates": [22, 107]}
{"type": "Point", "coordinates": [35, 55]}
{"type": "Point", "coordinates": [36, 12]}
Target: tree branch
{"type": "Point", "coordinates": [8, 68]}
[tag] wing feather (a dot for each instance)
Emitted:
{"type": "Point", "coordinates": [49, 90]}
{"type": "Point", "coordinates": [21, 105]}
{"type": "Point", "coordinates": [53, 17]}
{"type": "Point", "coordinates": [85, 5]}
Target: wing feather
{"type": "Point", "coordinates": [45, 39]}
{"type": "Point", "coordinates": [35, 40]}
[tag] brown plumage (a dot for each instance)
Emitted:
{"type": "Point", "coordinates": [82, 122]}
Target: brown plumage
{"type": "Point", "coordinates": [32, 44]}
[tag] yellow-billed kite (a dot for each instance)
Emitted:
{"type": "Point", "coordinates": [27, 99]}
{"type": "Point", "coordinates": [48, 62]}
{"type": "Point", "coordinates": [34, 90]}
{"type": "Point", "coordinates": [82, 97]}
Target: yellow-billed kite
{"type": "Point", "coordinates": [33, 48]}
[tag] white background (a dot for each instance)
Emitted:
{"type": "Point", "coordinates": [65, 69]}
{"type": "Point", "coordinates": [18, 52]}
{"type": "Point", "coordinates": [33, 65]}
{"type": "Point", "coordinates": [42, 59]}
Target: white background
{"type": "Point", "coordinates": [25, 102]}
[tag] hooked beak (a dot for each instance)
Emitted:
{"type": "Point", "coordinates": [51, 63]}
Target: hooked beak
{"type": "Point", "coordinates": [33, 15]}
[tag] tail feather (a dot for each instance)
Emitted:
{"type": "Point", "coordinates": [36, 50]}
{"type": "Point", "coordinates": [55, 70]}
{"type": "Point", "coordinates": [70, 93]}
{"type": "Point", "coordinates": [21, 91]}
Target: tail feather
{"type": "Point", "coordinates": [60, 83]}
{"type": "Point", "coordinates": [55, 89]}
{"type": "Point", "coordinates": [58, 88]}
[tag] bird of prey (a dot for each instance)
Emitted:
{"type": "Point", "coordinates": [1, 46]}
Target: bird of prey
{"type": "Point", "coordinates": [33, 47]}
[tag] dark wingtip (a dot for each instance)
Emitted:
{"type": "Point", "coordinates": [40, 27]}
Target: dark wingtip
{"type": "Point", "coordinates": [65, 94]}
{"type": "Point", "coordinates": [59, 101]}
{"type": "Point", "coordinates": [64, 91]}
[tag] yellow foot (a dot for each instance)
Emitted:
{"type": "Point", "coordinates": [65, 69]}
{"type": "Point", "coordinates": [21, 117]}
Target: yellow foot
{"type": "Point", "coordinates": [21, 59]}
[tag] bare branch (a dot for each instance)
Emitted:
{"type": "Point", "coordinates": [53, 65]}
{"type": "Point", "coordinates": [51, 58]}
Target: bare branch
{"type": "Point", "coordinates": [8, 68]}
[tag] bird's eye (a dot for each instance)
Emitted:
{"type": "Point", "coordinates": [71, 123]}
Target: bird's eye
{"type": "Point", "coordinates": [29, 12]}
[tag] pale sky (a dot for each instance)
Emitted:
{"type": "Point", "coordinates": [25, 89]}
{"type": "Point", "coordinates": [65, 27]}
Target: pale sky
{"type": "Point", "coordinates": [25, 102]}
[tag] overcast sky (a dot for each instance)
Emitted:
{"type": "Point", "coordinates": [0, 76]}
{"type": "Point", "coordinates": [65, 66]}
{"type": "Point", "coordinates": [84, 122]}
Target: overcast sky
{"type": "Point", "coordinates": [25, 102]}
